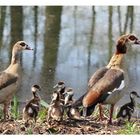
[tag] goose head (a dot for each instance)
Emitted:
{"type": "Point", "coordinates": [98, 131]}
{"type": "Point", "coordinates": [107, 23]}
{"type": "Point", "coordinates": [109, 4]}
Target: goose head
{"type": "Point", "coordinates": [69, 94]}
{"type": "Point", "coordinates": [126, 41]}
{"type": "Point", "coordinates": [20, 46]}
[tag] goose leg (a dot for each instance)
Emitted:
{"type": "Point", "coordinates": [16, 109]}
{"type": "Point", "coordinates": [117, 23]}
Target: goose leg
{"type": "Point", "coordinates": [49, 115]}
{"type": "Point", "coordinates": [101, 112]}
{"type": "Point", "coordinates": [129, 117]}
{"type": "Point", "coordinates": [84, 111]}
{"type": "Point", "coordinates": [6, 109]}
{"type": "Point", "coordinates": [111, 114]}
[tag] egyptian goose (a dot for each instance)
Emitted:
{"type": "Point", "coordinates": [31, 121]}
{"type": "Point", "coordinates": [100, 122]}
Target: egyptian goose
{"type": "Point", "coordinates": [56, 108]}
{"type": "Point", "coordinates": [72, 112]}
{"type": "Point", "coordinates": [107, 84]}
{"type": "Point", "coordinates": [10, 77]}
{"type": "Point", "coordinates": [127, 109]}
{"type": "Point", "coordinates": [60, 86]}
{"type": "Point", "coordinates": [30, 111]}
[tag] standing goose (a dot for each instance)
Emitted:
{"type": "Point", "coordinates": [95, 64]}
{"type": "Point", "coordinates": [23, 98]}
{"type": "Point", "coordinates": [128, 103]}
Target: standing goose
{"type": "Point", "coordinates": [128, 109]}
{"type": "Point", "coordinates": [108, 83]}
{"type": "Point", "coordinates": [60, 86]}
{"type": "Point", "coordinates": [30, 111]}
{"type": "Point", "coordinates": [10, 78]}
{"type": "Point", "coordinates": [72, 112]}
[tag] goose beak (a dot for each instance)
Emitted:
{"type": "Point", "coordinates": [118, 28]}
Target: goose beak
{"type": "Point", "coordinates": [137, 42]}
{"type": "Point", "coordinates": [28, 48]}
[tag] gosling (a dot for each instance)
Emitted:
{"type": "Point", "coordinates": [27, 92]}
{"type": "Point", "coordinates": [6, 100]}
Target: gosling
{"type": "Point", "coordinates": [56, 109]}
{"type": "Point", "coordinates": [30, 111]}
{"type": "Point", "coordinates": [72, 112]}
{"type": "Point", "coordinates": [60, 87]}
{"type": "Point", "coordinates": [127, 109]}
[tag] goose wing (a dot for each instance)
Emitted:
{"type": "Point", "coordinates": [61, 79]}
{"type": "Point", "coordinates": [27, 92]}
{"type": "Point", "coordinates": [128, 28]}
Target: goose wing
{"type": "Point", "coordinates": [112, 80]}
{"type": "Point", "coordinates": [96, 76]}
{"type": "Point", "coordinates": [92, 81]}
{"type": "Point", "coordinates": [7, 79]}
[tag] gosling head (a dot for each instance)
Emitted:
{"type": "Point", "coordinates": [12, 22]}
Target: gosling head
{"type": "Point", "coordinates": [134, 94]}
{"type": "Point", "coordinates": [60, 85]}
{"type": "Point", "coordinates": [55, 96]}
{"type": "Point", "coordinates": [35, 88]}
{"type": "Point", "coordinates": [69, 94]}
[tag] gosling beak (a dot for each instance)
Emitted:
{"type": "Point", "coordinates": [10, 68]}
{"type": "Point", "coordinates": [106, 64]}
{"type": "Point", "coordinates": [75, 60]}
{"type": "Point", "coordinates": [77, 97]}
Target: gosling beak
{"type": "Point", "coordinates": [138, 96]}
{"type": "Point", "coordinates": [28, 48]}
{"type": "Point", "coordinates": [137, 42]}
{"type": "Point", "coordinates": [65, 93]}
{"type": "Point", "coordinates": [55, 86]}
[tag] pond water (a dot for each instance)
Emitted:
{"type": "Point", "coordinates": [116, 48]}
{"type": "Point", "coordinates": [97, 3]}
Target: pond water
{"type": "Point", "coordinates": [81, 40]}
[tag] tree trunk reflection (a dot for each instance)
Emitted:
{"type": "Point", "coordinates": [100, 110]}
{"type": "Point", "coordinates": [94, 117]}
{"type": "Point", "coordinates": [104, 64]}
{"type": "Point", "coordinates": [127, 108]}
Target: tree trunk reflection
{"type": "Point", "coordinates": [2, 22]}
{"type": "Point", "coordinates": [51, 41]}
{"type": "Point", "coordinates": [16, 25]}
{"type": "Point", "coordinates": [35, 33]}
{"type": "Point", "coordinates": [129, 15]}
{"type": "Point", "coordinates": [91, 40]}
{"type": "Point", "coordinates": [110, 42]}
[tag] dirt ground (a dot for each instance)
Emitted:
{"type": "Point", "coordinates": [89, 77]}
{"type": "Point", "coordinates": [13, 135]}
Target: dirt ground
{"type": "Point", "coordinates": [87, 126]}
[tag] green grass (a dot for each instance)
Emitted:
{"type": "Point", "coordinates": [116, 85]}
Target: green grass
{"type": "Point", "coordinates": [29, 131]}
{"type": "Point", "coordinates": [42, 114]}
{"type": "Point", "coordinates": [1, 112]}
{"type": "Point", "coordinates": [15, 108]}
{"type": "Point", "coordinates": [43, 111]}
{"type": "Point", "coordinates": [130, 128]}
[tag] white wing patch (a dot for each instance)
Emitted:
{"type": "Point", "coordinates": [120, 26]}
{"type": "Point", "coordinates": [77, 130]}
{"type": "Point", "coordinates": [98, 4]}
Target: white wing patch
{"type": "Point", "coordinates": [66, 99]}
{"type": "Point", "coordinates": [30, 110]}
{"type": "Point", "coordinates": [35, 105]}
{"type": "Point", "coordinates": [73, 111]}
{"type": "Point", "coordinates": [54, 110]}
{"type": "Point", "coordinates": [122, 85]}
{"type": "Point", "coordinates": [124, 112]}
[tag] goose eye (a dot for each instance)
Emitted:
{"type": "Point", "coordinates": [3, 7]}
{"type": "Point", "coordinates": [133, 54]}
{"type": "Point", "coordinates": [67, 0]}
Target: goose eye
{"type": "Point", "coordinates": [132, 38]}
{"type": "Point", "coordinates": [22, 44]}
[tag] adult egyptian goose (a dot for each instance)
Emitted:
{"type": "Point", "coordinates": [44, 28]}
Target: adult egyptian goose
{"type": "Point", "coordinates": [127, 109]}
{"type": "Point", "coordinates": [56, 108]}
{"type": "Point", "coordinates": [10, 78]}
{"type": "Point", "coordinates": [72, 112]}
{"type": "Point", "coordinates": [107, 84]}
{"type": "Point", "coordinates": [60, 87]}
{"type": "Point", "coordinates": [30, 111]}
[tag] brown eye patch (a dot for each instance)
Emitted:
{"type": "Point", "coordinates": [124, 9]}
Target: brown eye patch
{"type": "Point", "coordinates": [132, 38]}
{"type": "Point", "coordinates": [22, 44]}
